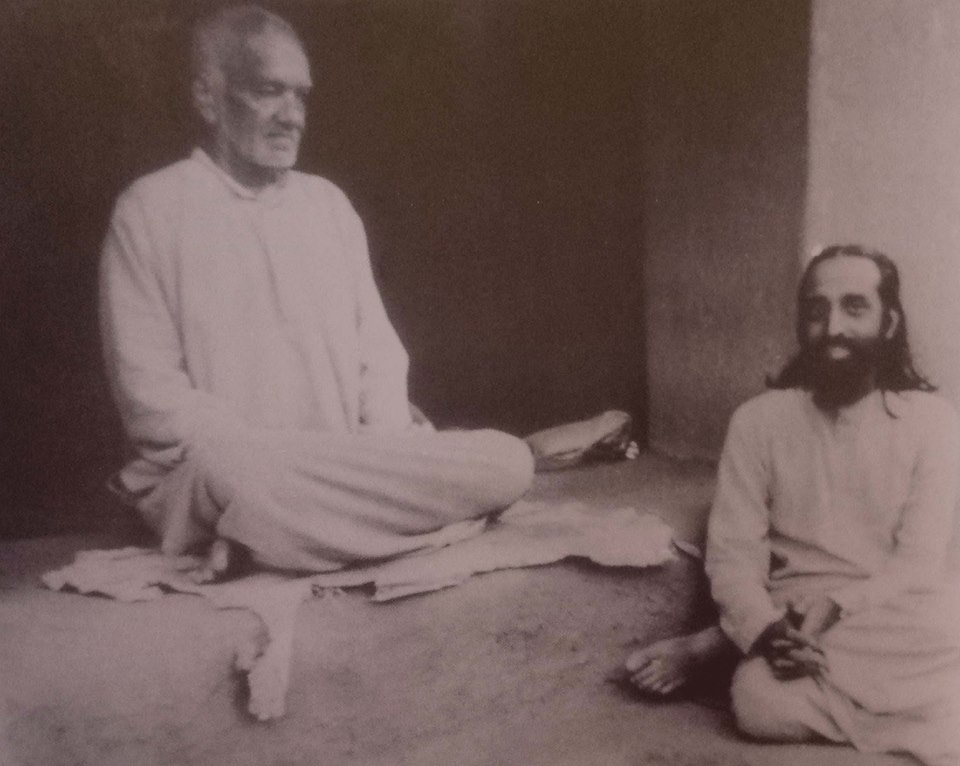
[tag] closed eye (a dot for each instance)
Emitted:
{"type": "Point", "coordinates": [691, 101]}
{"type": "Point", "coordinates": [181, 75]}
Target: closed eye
{"type": "Point", "coordinates": [855, 305]}
{"type": "Point", "coordinates": [266, 89]}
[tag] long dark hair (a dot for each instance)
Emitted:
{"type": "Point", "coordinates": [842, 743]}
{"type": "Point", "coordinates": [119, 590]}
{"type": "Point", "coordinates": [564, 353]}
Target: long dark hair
{"type": "Point", "coordinates": [895, 368]}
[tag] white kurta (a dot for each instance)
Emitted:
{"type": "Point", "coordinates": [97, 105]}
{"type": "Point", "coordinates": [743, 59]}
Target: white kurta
{"type": "Point", "coordinates": [242, 326]}
{"type": "Point", "coordinates": [859, 507]}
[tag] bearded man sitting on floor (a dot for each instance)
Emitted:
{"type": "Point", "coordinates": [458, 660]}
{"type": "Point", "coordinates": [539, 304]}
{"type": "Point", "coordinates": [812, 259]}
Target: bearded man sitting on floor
{"type": "Point", "coordinates": [828, 538]}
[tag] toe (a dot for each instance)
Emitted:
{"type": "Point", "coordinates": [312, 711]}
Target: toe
{"type": "Point", "coordinates": [671, 686]}
{"type": "Point", "coordinates": [219, 560]}
{"type": "Point", "coordinates": [202, 575]}
{"type": "Point", "coordinates": [637, 661]}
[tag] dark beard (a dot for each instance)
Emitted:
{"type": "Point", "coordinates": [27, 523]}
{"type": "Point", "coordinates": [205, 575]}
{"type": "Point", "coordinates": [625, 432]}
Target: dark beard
{"type": "Point", "coordinates": [840, 382]}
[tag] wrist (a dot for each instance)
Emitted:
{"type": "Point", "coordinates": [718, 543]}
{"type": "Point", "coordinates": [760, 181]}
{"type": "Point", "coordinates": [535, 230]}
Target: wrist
{"type": "Point", "coordinates": [845, 601]}
{"type": "Point", "coordinates": [773, 630]}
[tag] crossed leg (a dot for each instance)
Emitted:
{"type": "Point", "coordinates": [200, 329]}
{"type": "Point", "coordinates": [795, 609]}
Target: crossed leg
{"type": "Point", "coordinates": [316, 502]}
{"type": "Point", "coordinates": [413, 483]}
{"type": "Point", "coordinates": [771, 710]}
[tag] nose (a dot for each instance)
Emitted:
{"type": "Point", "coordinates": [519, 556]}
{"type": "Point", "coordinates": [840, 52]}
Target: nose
{"type": "Point", "coordinates": [835, 322]}
{"type": "Point", "coordinates": [292, 111]}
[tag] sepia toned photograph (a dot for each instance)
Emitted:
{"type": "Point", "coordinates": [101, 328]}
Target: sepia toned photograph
{"type": "Point", "coordinates": [479, 383]}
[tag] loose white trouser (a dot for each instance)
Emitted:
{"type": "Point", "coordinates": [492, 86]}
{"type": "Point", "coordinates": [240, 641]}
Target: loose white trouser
{"type": "Point", "coordinates": [317, 501]}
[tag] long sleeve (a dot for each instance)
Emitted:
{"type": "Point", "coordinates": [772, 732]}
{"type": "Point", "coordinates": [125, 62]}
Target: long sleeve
{"type": "Point", "coordinates": [228, 314]}
{"type": "Point", "coordinates": [738, 550]}
{"type": "Point", "coordinates": [383, 360]}
{"type": "Point", "coordinates": [925, 527]}
{"type": "Point", "coordinates": [161, 410]}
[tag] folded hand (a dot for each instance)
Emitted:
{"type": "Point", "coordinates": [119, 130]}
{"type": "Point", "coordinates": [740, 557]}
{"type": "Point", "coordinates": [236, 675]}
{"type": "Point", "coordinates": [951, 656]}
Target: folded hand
{"type": "Point", "coordinates": [791, 653]}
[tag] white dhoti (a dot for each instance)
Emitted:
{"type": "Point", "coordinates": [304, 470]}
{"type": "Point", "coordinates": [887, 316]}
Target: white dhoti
{"type": "Point", "coordinates": [892, 683]}
{"type": "Point", "coordinates": [262, 385]}
{"type": "Point", "coordinates": [316, 501]}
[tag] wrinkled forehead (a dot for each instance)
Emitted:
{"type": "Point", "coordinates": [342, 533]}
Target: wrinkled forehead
{"type": "Point", "coordinates": [270, 54]}
{"type": "Point", "coordinates": [843, 275]}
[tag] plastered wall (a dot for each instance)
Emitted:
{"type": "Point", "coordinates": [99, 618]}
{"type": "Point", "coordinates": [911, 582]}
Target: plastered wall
{"type": "Point", "coordinates": [725, 173]}
{"type": "Point", "coordinates": [884, 156]}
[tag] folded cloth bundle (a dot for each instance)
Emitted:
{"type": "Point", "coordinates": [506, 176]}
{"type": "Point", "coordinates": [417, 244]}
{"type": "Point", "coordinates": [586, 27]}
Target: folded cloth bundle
{"type": "Point", "coordinates": [527, 534]}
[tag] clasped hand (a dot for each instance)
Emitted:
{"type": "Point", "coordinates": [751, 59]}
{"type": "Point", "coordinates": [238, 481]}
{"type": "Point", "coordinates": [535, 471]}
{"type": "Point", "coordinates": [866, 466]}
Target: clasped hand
{"type": "Point", "coordinates": [791, 644]}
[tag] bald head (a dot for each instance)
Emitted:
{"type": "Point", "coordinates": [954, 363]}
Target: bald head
{"type": "Point", "coordinates": [220, 40]}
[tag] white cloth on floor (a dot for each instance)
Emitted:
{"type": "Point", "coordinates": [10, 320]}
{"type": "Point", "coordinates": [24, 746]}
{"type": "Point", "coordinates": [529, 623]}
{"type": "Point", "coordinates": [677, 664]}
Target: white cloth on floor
{"type": "Point", "coordinates": [527, 534]}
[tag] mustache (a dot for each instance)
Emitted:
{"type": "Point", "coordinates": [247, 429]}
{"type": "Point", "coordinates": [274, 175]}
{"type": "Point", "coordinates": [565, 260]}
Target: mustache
{"type": "Point", "coordinates": [859, 354]}
{"type": "Point", "coordinates": [835, 342]}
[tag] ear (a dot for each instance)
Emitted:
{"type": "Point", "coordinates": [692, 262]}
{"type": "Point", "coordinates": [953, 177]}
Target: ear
{"type": "Point", "coordinates": [892, 323]}
{"type": "Point", "coordinates": [204, 100]}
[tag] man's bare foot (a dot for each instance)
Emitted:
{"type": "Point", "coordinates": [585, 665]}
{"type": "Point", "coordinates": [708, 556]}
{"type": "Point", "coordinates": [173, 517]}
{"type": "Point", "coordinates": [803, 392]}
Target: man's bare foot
{"type": "Point", "coordinates": [225, 560]}
{"type": "Point", "coordinates": [566, 445]}
{"type": "Point", "coordinates": [666, 666]}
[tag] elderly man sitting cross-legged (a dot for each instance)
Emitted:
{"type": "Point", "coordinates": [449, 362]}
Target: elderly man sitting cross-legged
{"type": "Point", "coordinates": [829, 533]}
{"type": "Point", "coordinates": [258, 377]}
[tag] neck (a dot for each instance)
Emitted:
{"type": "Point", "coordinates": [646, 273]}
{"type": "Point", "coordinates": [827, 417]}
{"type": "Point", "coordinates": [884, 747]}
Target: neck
{"type": "Point", "coordinates": [253, 177]}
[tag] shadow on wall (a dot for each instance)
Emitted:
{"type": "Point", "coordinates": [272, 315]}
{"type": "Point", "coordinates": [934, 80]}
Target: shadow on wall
{"type": "Point", "coordinates": [493, 150]}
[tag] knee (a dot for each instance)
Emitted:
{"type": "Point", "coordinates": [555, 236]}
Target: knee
{"type": "Point", "coordinates": [226, 469]}
{"type": "Point", "coordinates": [760, 704]}
{"type": "Point", "coordinates": [747, 697]}
{"type": "Point", "coordinates": [510, 465]}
